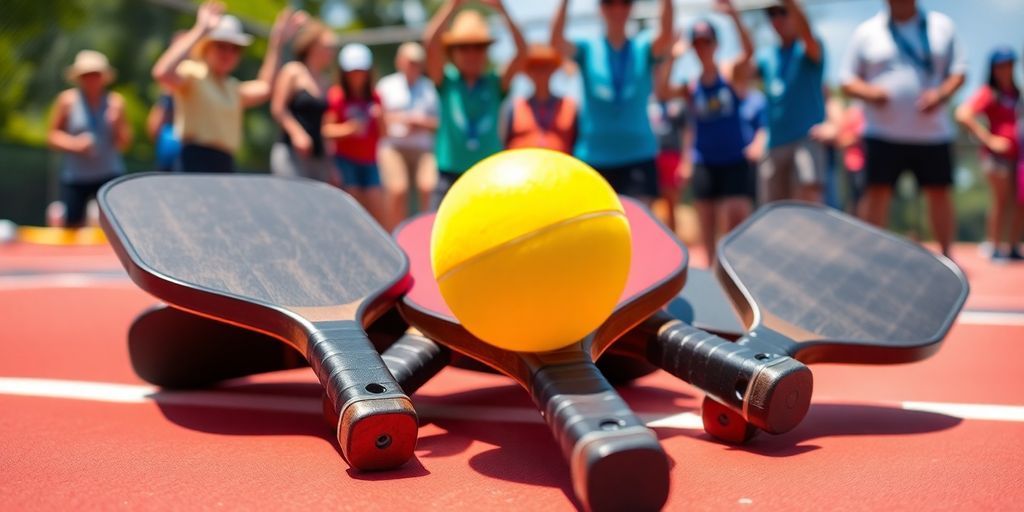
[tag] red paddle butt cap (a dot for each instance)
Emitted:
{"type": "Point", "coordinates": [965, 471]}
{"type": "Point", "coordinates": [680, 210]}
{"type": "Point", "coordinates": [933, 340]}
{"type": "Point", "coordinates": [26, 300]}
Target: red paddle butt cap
{"type": "Point", "coordinates": [377, 435]}
{"type": "Point", "coordinates": [626, 470]}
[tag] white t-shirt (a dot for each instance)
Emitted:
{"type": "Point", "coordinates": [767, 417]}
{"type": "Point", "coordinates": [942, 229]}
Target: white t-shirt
{"type": "Point", "coordinates": [397, 96]}
{"type": "Point", "coordinates": [873, 56]}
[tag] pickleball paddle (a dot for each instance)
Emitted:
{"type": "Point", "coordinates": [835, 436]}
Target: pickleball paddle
{"type": "Point", "coordinates": [814, 285]}
{"type": "Point", "coordinates": [616, 463]}
{"type": "Point", "coordinates": [175, 349]}
{"type": "Point", "coordinates": [295, 259]}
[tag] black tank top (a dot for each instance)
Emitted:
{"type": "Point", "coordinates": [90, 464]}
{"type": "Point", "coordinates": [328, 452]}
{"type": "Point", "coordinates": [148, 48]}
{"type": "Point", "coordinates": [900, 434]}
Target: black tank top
{"type": "Point", "coordinates": [308, 110]}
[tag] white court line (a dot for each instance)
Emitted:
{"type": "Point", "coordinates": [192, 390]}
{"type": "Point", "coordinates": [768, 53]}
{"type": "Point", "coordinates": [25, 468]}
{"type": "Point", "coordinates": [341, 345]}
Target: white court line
{"type": "Point", "coordinates": [134, 394]}
{"type": "Point", "coordinates": [1003, 318]}
{"type": "Point", "coordinates": [87, 280]}
{"type": "Point", "coordinates": [62, 280]}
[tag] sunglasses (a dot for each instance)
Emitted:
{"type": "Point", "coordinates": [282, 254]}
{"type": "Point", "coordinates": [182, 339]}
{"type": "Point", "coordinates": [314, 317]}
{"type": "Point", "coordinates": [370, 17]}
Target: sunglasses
{"type": "Point", "coordinates": [226, 47]}
{"type": "Point", "coordinates": [777, 12]}
{"type": "Point", "coordinates": [475, 48]}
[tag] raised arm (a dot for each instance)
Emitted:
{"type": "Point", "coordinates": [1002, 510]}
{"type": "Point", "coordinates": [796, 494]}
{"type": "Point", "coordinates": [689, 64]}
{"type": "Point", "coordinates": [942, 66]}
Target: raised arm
{"type": "Point", "coordinates": [558, 40]}
{"type": "Point", "coordinates": [257, 92]}
{"type": "Point", "coordinates": [663, 88]}
{"type": "Point", "coordinates": [740, 70]}
{"type": "Point", "coordinates": [516, 64]}
{"type": "Point", "coordinates": [812, 48]}
{"type": "Point", "coordinates": [662, 44]}
{"type": "Point", "coordinates": [165, 71]}
{"type": "Point", "coordinates": [436, 58]}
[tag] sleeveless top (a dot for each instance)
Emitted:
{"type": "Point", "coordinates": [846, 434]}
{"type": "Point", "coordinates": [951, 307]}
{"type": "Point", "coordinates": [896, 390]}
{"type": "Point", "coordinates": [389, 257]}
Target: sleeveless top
{"type": "Point", "coordinates": [719, 134]}
{"type": "Point", "coordinates": [549, 125]}
{"type": "Point", "coordinates": [104, 161]}
{"type": "Point", "coordinates": [308, 110]}
{"type": "Point", "coordinates": [360, 148]}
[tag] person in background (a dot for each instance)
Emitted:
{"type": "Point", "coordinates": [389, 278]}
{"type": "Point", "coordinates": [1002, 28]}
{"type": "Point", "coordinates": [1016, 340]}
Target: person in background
{"type": "Point", "coordinates": [905, 64]}
{"type": "Point", "coordinates": [542, 120]}
{"type": "Point", "coordinates": [160, 128]}
{"type": "Point", "coordinates": [406, 155]}
{"type": "Point", "coordinates": [354, 122]}
{"type": "Point", "coordinates": [793, 72]}
{"type": "Point", "coordinates": [668, 122]}
{"type": "Point", "coordinates": [298, 104]}
{"type": "Point", "coordinates": [617, 71]}
{"type": "Point", "coordinates": [208, 101]}
{"type": "Point", "coordinates": [719, 170]}
{"type": "Point", "coordinates": [753, 114]}
{"type": "Point", "coordinates": [849, 139]}
{"type": "Point", "coordinates": [998, 100]}
{"type": "Point", "coordinates": [88, 127]}
{"type": "Point", "coordinates": [470, 93]}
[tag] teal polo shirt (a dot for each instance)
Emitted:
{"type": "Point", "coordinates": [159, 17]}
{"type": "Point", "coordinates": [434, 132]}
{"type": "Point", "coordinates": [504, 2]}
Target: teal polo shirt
{"type": "Point", "coordinates": [793, 85]}
{"type": "Point", "coordinates": [614, 129]}
{"type": "Point", "coordinates": [468, 126]}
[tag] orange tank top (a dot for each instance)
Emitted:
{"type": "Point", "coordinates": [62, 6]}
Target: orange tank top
{"type": "Point", "coordinates": [551, 126]}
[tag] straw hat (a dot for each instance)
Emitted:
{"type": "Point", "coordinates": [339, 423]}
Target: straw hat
{"type": "Point", "coordinates": [542, 55]}
{"type": "Point", "coordinates": [469, 27]}
{"type": "Point", "coordinates": [228, 30]}
{"type": "Point", "coordinates": [90, 61]}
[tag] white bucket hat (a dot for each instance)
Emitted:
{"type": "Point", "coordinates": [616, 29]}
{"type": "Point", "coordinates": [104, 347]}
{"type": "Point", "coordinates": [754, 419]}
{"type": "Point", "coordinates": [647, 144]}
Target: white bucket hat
{"type": "Point", "coordinates": [228, 30]}
{"type": "Point", "coordinates": [355, 57]}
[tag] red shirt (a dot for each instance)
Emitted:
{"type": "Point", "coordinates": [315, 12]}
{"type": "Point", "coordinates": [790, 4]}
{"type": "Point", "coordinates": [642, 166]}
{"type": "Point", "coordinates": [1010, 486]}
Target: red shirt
{"type": "Point", "coordinates": [1001, 111]}
{"type": "Point", "coordinates": [361, 147]}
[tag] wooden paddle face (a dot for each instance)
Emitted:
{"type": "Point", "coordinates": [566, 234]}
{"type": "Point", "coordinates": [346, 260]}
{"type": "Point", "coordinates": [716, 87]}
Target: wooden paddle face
{"type": "Point", "coordinates": [252, 249]}
{"type": "Point", "coordinates": [657, 273]}
{"type": "Point", "coordinates": [843, 290]}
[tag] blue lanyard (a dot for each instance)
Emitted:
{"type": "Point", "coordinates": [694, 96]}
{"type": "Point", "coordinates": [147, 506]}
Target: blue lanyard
{"type": "Point", "coordinates": [472, 123]}
{"type": "Point", "coordinates": [619, 62]}
{"type": "Point", "coordinates": [95, 126]}
{"type": "Point", "coordinates": [925, 61]}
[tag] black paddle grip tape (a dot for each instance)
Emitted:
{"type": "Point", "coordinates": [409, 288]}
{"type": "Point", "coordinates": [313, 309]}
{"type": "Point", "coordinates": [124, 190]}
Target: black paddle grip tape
{"type": "Point", "coordinates": [615, 461]}
{"type": "Point", "coordinates": [348, 365]}
{"type": "Point", "coordinates": [413, 360]}
{"type": "Point", "coordinates": [771, 391]}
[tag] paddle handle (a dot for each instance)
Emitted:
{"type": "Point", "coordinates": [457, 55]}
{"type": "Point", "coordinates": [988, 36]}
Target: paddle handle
{"type": "Point", "coordinates": [377, 425]}
{"type": "Point", "coordinates": [615, 461]}
{"type": "Point", "coordinates": [413, 360]}
{"type": "Point", "coordinates": [769, 390]}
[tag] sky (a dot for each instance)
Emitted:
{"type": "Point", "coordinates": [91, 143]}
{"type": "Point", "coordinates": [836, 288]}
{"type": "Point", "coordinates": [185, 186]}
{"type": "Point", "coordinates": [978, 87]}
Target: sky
{"type": "Point", "coordinates": [981, 25]}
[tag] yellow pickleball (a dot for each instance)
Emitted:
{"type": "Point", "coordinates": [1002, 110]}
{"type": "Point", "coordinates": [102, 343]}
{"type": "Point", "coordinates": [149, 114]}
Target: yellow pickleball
{"type": "Point", "coordinates": [531, 250]}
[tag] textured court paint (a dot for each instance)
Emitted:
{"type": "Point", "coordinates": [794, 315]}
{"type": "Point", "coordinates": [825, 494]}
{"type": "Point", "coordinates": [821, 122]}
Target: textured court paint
{"type": "Point", "coordinates": [123, 393]}
{"type": "Point", "coordinates": [198, 458]}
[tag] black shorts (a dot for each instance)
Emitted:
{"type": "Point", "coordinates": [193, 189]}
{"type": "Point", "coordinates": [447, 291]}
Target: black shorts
{"type": "Point", "coordinates": [445, 180]}
{"type": "Point", "coordinates": [75, 197]}
{"type": "Point", "coordinates": [638, 179]}
{"type": "Point", "coordinates": [196, 158]}
{"type": "Point", "coordinates": [713, 182]}
{"type": "Point", "coordinates": [932, 164]}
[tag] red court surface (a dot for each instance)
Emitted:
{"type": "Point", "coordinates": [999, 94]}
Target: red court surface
{"type": "Point", "coordinates": [80, 431]}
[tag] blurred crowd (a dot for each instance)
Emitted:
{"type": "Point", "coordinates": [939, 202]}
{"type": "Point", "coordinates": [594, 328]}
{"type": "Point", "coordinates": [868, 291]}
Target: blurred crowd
{"type": "Point", "coordinates": [749, 130]}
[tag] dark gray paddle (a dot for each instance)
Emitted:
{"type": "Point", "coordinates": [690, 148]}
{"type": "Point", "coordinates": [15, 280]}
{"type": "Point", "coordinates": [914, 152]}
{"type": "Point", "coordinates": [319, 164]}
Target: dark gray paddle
{"type": "Point", "coordinates": [295, 259]}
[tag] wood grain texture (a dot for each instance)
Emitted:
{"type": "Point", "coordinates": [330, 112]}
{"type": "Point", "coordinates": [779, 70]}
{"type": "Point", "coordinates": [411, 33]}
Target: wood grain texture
{"type": "Point", "coordinates": [292, 243]}
{"type": "Point", "coordinates": [838, 279]}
